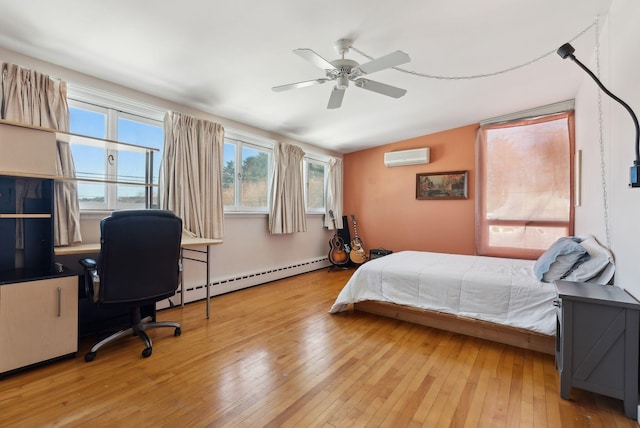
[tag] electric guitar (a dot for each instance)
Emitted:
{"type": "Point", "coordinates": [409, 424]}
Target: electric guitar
{"type": "Point", "coordinates": [337, 254]}
{"type": "Point", "coordinates": [357, 254]}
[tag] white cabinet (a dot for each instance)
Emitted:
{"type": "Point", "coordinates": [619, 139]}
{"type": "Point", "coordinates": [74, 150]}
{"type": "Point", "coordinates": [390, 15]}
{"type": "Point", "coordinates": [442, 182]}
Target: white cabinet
{"type": "Point", "coordinates": [38, 321]}
{"type": "Point", "coordinates": [38, 305]}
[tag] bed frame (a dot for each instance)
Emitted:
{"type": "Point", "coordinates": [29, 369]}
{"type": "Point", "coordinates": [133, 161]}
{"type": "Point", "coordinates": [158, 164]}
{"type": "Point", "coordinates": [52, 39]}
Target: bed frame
{"type": "Point", "coordinates": [457, 324]}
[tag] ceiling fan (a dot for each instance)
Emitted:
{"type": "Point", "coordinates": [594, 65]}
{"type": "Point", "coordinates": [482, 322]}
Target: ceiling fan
{"type": "Point", "coordinates": [344, 70]}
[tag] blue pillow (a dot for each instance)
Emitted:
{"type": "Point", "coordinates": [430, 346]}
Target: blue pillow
{"type": "Point", "coordinates": [565, 246]}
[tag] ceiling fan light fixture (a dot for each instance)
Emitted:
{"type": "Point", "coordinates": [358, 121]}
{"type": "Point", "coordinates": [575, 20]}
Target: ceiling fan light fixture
{"type": "Point", "coordinates": [342, 82]}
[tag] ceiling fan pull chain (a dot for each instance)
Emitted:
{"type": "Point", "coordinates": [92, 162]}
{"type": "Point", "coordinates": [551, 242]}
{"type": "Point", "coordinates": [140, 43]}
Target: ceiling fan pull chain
{"type": "Point", "coordinates": [603, 167]}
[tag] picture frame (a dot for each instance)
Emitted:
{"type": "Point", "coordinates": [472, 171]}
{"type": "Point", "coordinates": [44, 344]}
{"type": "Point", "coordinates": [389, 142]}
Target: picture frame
{"type": "Point", "coordinates": [442, 185]}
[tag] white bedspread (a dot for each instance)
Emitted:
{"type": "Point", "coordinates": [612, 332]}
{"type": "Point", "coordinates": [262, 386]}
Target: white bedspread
{"type": "Point", "coordinates": [498, 290]}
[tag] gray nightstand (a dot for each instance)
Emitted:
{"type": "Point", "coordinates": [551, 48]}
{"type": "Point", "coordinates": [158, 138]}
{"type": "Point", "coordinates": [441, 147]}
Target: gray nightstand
{"type": "Point", "coordinates": [597, 341]}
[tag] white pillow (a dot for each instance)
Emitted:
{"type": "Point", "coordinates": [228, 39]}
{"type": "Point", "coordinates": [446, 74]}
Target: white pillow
{"type": "Point", "coordinates": [598, 269]}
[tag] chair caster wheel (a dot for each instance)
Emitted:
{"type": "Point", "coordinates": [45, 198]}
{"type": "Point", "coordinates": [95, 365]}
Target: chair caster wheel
{"type": "Point", "coordinates": [89, 356]}
{"type": "Point", "coordinates": [177, 332]}
{"type": "Point", "coordinates": [146, 352]}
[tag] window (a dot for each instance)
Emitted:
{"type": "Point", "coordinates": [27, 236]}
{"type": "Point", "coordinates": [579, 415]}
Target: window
{"type": "Point", "coordinates": [114, 176]}
{"type": "Point", "coordinates": [111, 179]}
{"type": "Point", "coordinates": [245, 176]}
{"type": "Point", "coordinates": [315, 178]}
{"type": "Point", "coordinates": [525, 177]}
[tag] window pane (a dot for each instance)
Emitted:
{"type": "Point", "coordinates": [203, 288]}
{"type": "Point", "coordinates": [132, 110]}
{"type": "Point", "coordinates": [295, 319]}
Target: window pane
{"type": "Point", "coordinates": [229, 175]}
{"type": "Point", "coordinates": [255, 171]}
{"type": "Point", "coordinates": [132, 166]}
{"type": "Point", "coordinates": [315, 186]}
{"type": "Point", "coordinates": [141, 134]}
{"type": "Point", "coordinates": [86, 122]}
{"type": "Point", "coordinates": [89, 161]}
{"type": "Point", "coordinates": [131, 196]}
{"type": "Point", "coordinates": [91, 195]}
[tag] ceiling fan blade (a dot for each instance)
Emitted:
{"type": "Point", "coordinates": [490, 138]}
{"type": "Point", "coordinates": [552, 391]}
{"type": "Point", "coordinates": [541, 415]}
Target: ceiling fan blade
{"type": "Point", "coordinates": [380, 88]}
{"type": "Point", "coordinates": [304, 84]}
{"type": "Point", "coordinates": [335, 100]}
{"type": "Point", "coordinates": [314, 58]}
{"type": "Point", "coordinates": [387, 61]}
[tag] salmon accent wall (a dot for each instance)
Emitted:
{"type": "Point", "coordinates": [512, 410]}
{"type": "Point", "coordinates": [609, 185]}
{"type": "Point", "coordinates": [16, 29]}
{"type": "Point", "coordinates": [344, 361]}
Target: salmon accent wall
{"type": "Point", "coordinates": [384, 199]}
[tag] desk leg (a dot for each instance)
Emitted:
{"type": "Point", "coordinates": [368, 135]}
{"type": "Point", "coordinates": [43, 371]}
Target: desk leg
{"type": "Point", "coordinates": [181, 277]}
{"type": "Point", "coordinates": [207, 285]}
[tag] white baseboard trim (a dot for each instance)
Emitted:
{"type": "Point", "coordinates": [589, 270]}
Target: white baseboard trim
{"type": "Point", "coordinates": [244, 280]}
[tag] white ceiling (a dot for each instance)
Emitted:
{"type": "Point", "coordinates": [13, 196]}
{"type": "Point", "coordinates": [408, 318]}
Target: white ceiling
{"type": "Point", "coordinates": [223, 57]}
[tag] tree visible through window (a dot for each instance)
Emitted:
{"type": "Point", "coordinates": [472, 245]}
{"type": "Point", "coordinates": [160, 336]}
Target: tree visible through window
{"type": "Point", "coordinates": [315, 184]}
{"type": "Point", "coordinates": [245, 187]}
{"type": "Point", "coordinates": [525, 176]}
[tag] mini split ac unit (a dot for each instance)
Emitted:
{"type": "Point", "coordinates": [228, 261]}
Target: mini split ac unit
{"type": "Point", "coordinates": [406, 157]}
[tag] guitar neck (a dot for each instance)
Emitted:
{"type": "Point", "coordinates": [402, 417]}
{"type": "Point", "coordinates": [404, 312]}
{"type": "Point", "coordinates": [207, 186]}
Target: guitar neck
{"type": "Point", "coordinates": [357, 254]}
{"type": "Point", "coordinates": [355, 229]}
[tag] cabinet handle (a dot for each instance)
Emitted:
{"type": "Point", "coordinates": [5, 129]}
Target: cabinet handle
{"type": "Point", "coordinates": [59, 302]}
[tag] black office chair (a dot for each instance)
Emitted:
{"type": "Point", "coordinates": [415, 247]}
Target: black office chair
{"type": "Point", "coordinates": [138, 265]}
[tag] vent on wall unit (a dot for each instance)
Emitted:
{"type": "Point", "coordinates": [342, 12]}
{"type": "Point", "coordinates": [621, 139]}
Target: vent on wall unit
{"type": "Point", "coordinates": [406, 157]}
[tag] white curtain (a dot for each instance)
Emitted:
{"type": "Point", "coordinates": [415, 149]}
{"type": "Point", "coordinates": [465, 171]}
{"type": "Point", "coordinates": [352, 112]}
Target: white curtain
{"type": "Point", "coordinates": [334, 193]}
{"type": "Point", "coordinates": [33, 98]}
{"type": "Point", "coordinates": [191, 174]}
{"type": "Point", "coordinates": [287, 213]}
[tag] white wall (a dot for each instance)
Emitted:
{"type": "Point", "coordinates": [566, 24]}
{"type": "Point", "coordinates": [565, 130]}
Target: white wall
{"type": "Point", "coordinates": [248, 247]}
{"type": "Point", "coordinates": [620, 73]}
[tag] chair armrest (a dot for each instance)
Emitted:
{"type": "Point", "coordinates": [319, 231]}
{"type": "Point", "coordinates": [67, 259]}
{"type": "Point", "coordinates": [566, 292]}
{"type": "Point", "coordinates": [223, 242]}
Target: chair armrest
{"type": "Point", "coordinates": [91, 278]}
{"type": "Point", "coordinates": [88, 263]}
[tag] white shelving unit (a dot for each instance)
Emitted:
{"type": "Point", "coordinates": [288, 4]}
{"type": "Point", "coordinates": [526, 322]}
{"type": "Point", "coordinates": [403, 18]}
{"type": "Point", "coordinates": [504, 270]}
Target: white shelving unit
{"type": "Point", "coordinates": [38, 305]}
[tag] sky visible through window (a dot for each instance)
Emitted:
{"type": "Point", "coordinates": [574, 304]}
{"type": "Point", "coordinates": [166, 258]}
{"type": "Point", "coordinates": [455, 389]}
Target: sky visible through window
{"type": "Point", "coordinates": [91, 162]}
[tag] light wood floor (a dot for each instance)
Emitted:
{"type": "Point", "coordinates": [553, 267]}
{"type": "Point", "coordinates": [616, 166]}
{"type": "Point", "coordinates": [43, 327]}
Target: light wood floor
{"type": "Point", "coordinates": [273, 356]}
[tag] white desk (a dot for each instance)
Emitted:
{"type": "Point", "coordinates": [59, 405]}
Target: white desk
{"type": "Point", "coordinates": [187, 244]}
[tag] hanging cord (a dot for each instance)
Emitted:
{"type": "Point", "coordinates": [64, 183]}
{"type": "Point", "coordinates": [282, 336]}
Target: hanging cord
{"type": "Point", "coordinates": [603, 167]}
{"type": "Point", "coordinates": [478, 76]}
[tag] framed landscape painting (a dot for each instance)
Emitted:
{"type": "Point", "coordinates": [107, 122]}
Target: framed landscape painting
{"type": "Point", "coordinates": [442, 185]}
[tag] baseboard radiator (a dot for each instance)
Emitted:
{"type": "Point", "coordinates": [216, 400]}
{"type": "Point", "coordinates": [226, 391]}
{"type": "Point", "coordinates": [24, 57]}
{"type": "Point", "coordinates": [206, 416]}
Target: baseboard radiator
{"type": "Point", "coordinates": [244, 280]}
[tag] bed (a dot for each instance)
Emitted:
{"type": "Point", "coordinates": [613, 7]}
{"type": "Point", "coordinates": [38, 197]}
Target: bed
{"type": "Point", "coordinates": [505, 300]}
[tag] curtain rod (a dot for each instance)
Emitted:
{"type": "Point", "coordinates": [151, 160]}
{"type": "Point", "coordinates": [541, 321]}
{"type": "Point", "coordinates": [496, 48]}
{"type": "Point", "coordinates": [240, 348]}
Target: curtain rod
{"type": "Point", "coordinates": [534, 112]}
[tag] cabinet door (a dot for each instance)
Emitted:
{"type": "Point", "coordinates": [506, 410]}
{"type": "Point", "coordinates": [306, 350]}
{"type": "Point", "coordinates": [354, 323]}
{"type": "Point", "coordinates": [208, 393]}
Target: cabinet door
{"type": "Point", "coordinates": [35, 155]}
{"type": "Point", "coordinates": [38, 321]}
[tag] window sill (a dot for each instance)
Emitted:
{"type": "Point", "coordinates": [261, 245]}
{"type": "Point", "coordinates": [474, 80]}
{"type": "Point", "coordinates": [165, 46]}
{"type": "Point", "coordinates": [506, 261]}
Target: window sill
{"type": "Point", "coordinates": [94, 214]}
{"type": "Point", "coordinates": [100, 214]}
